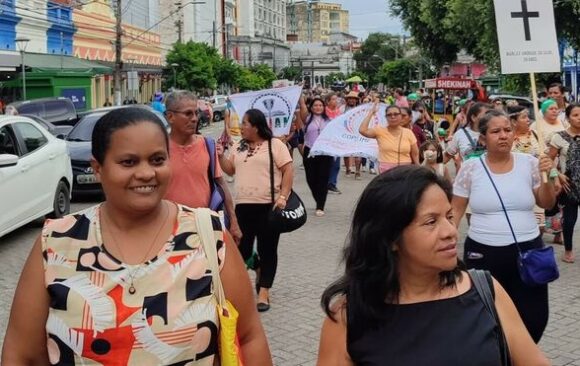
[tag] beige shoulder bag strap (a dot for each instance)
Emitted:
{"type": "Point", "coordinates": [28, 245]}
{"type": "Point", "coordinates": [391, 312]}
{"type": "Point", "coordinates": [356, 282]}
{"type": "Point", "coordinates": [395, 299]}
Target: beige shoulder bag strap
{"type": "Point", "coordinates": [206, 234]}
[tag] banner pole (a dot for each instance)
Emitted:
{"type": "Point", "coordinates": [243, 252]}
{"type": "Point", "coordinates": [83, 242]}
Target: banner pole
{"type": "Point", "coordinates": [539, 121]}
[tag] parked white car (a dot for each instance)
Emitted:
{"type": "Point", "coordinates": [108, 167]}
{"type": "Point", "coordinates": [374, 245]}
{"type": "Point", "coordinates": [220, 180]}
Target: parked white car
{"type": "Point", "coordinates": [35, 173]}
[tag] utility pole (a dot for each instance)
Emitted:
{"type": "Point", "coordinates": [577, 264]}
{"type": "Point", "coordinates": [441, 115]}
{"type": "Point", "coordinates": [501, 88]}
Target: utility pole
{"type": "Point", "coordinates": [118, 48]}
{"type": "Point", "coordinates": [274, 56]}
{"type": "Point", "coordinates": [179, 25]}
{"type": "Point", "coordinates": [309, 19]}
{"type": "Point", "coordinates": [214, 31]}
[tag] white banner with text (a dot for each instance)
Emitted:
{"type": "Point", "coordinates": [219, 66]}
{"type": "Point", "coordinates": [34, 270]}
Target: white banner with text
{"type": "Point", "coordinates": [278, 105]}
{"type": "Point", "coordinates": [341, 136]}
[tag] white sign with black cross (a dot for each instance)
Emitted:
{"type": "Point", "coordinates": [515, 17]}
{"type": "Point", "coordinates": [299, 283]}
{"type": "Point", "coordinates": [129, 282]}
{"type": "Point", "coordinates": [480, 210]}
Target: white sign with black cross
{"type": "Point", "coordinates": [527, 36]}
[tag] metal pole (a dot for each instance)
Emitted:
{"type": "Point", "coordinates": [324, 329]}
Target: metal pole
{"type": "Point", "coordinates": [23, 76]}
{"type": "Point", "coordinates": [118, 50]}
{"type": "Point", "coordinates": [214, 35]}
{"type": "Point", "coordinates": [174, 79]}
{"type": "Point", "coordinates": [61, 51]}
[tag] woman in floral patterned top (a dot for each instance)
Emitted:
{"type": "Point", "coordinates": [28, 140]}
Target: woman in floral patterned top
{"type": "Point", "coordinates": [526, 142]}
{"type": "Point", "coordinates": [129, 282]}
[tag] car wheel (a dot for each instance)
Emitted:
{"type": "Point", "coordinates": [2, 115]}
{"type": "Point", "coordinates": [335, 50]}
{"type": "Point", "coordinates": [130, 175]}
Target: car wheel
{"type": "Point", "coordinates": [217, 116]}
{"type": "Point", "coordinates": [61, 202]}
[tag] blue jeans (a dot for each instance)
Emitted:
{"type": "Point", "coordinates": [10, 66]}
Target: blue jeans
{"type": "Point", "coordinates": [334, 170]}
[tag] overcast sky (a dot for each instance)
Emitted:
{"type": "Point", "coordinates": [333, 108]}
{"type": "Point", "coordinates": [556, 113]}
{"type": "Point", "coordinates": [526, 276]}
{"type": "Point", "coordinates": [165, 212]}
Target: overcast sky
{"type": "Point", "coordinates": [368, 16]}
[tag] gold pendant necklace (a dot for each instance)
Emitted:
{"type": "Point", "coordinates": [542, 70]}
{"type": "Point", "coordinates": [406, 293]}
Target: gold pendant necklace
{"type": "Point", "coordinates": [132, 274]}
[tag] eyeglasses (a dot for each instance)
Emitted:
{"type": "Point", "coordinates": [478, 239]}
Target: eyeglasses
{"type": "Point", "coordinates": [393, 114]}
{"type": "Point", "coordinates": [188, 113]}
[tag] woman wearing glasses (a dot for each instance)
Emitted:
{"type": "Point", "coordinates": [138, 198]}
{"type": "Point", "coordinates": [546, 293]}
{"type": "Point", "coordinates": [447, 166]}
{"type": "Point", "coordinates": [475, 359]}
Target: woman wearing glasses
{"type": "Point", "coordinates": [397, 145]}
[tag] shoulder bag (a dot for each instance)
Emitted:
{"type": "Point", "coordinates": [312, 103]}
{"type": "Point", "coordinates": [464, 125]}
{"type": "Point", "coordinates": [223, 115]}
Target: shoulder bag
{"type": "Point", "coordinates": [217, 201]}
{"type": "Point", "coordinates": [293, 216]}
{"type": "Point", "coordinates": [229, 347]}
{"type": "Point", "coordinates": [477, 151]}
{"type": "Point", "coordinates": [483, 284]}
{"type": "Point", "coordinates": [536, 266]}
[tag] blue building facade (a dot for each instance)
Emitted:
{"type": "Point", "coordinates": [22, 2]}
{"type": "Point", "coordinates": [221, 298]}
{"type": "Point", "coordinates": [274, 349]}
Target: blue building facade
{"type": "Point", "coordinates": [8, 22]}
{"type": "Point", "coordinates": [59, 36]}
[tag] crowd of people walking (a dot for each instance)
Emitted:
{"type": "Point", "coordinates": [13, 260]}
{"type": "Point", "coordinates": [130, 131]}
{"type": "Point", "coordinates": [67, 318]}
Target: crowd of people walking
{"type": "Point", "coordinates": [136, 279]}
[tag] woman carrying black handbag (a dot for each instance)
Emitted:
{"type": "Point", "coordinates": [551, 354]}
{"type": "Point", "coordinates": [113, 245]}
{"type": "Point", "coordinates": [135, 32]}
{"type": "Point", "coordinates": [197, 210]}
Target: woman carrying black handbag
{"type": "Point", "coordinates": [249, 160]}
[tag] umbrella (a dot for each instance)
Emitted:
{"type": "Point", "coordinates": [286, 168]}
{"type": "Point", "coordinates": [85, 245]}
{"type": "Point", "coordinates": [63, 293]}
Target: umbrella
{"type": "Point", "coordinates": [354, 79]}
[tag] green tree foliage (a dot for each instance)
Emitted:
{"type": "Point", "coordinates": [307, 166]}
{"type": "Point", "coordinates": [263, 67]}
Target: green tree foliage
{"type": "Point", "coordinates": [396, 73]}
{"type": "Point", "coordinates": [264, 72]}
{"type": "Point", "coordinates": [227, 72]}
{"type": "Point", "coordinates": [201, 68]}
{"type": "Point", "coordinates": [247, 80]}
{"type": "Point", "coordinates": [292, 73]}
{"type": "Point", "coordinates": [196, 66]}
{"type": "Point", "coordinates": [444, 27]}
{"type": "Point", "coordinates": [377, 49]}
{"type": "Point", "coordinates": [334, 76]}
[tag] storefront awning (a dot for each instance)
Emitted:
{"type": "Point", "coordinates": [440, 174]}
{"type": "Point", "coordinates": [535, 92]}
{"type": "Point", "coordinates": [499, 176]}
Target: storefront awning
{"type": "Point", "coordinates": [45, 62]}
{"type": "Point", "coordinates": [9, 62]}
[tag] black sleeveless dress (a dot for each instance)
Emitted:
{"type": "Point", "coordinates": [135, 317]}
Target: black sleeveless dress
{"type": "Point", "coordinates": [458, 331]}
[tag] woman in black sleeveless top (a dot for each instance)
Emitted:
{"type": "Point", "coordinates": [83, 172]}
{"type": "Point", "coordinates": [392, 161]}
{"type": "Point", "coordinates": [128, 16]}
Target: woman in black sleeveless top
{"type": "Point", "coordinates": [404, 298]}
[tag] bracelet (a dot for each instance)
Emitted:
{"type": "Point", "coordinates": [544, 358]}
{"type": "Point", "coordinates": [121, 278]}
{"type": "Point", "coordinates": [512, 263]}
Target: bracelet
{"type": "Point", "coordinates": [283, 197]}
{"type": "Point", "coordinates": [554, 173]}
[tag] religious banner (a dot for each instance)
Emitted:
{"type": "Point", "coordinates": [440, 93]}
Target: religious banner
{"type": "Point", "coordinates": [278, 105]}
{"type": "Point", "coordinates": [527, 36]}
{"type": "Point", "coordinates": [341, 136]}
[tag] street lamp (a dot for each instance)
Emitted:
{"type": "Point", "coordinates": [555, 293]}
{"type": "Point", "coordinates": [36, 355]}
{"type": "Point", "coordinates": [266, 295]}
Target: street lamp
{"type": "Point", "coordinates": [22, 43]}
{"type": "Point", "coordinates": [174, 65]}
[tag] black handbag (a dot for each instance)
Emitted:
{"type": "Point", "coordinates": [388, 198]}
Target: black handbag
{"type": "Point", "coordinates": [536, 266]}
{"type": "Point", "coordinates": [293, 216]}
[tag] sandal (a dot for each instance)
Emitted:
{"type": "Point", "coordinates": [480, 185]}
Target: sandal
{"type": "Point", "coordinates": [357, 176]}
{"type": "Point", "coordinates": [568, 257]}
{"type": "Point", "coordinates": [263, 306]}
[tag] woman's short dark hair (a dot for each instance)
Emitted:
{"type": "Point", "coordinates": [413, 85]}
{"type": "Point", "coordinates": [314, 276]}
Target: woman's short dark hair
{"type": "Point", "coordinates": [570, 108]}
{"type": "Point", "coordinates": [474, 110]}
{"type": "Point", "coordinates": [257, 119]}
{"type": "Point", "coordinates": [386, 207]}
{"type": "Point", "coordinates": [118, 119]}
{"type": "Point", "coordinates": [515, 110]}
{"type": "Point", "coordinates": [487, 117]}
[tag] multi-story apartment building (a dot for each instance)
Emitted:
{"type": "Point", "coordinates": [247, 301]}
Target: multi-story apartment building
{"type": "Point", "coordinates": [258, 35]}
{"type": "Point", "coordinates": [310, 21]}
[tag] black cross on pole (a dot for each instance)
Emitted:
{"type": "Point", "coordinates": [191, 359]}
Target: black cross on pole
{"type": "Point", "coordinates": [526, 15]}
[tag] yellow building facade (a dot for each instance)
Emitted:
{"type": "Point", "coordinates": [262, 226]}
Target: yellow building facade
{"type": "Point", "coordinates": [94, 40]}
{"type": "Point", "coordinates": [325, 18]}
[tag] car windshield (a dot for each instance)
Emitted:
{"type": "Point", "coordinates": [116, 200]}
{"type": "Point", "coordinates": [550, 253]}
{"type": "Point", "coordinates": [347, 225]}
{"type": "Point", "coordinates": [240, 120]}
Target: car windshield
{"type": "Point", "coordinates": [83, 130]}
